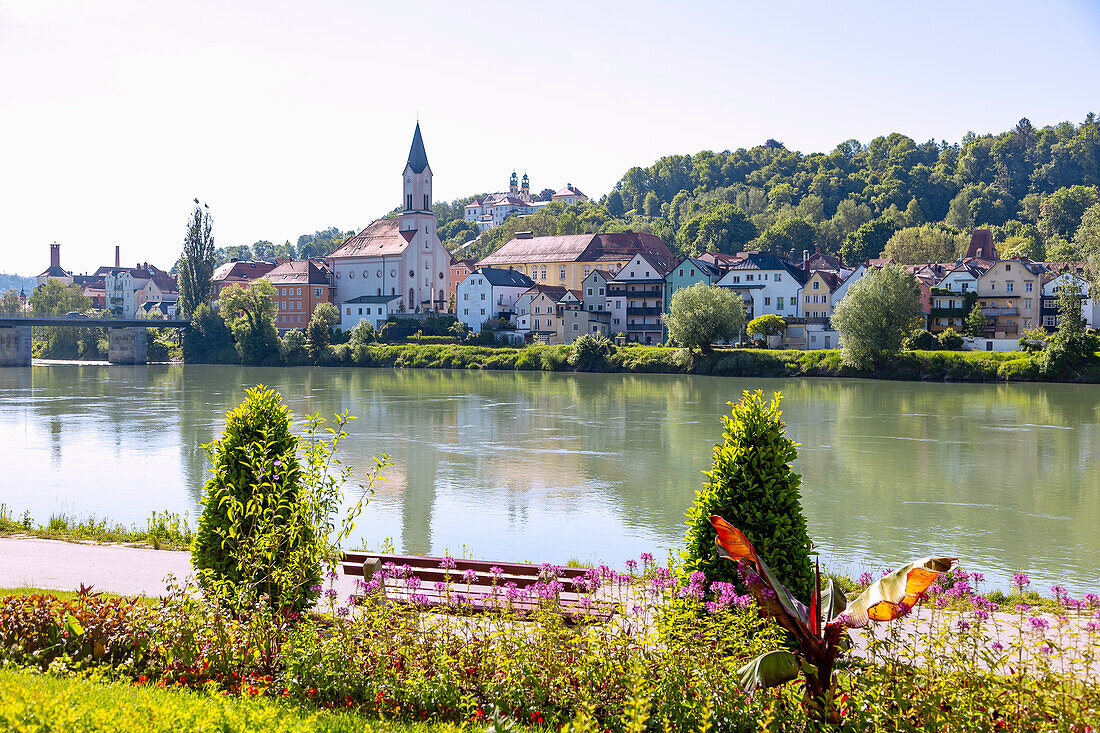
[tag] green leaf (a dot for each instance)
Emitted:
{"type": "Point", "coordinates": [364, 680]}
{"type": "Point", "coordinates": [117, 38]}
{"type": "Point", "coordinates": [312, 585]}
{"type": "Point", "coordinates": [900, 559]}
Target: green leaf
{"type": "Point", "coordinates": [832, 602]}
{"type": "Point", "coordinates": [768, 670]}
{"type": "Point", "coordinates": [73, 626]}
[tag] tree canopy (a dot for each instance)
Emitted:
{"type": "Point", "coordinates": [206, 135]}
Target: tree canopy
{"type": "Point", "coordinates": [877, 313]}
{"type": "Point", "coordinates": [196, 264]}
{"type": "Point", "coordinates": [702, 314]}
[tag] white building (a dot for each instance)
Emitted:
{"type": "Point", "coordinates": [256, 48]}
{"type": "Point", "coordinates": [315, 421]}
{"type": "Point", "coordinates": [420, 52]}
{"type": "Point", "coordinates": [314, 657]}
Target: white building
{"type": "Point", "coordinates": [489, 292]}
{"type": "Point", "coordinates": [119, 292]}
{"type": "Point", "coordinates": [400, 257]}
{"type": "Point", "coordinates": [767, 284]}
{"type": "Point", "coordinates": [492, 209]}
{"type": "Point", "coordinates": [1053, 284]}
{"type": "Point", "coordinates": [374, 309]}
{"type": "Point", "coordinates": [962, 278]}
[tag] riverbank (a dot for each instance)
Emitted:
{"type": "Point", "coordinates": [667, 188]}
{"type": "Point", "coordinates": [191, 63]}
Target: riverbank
{"type": "Point", "coordinates": [939, 366]}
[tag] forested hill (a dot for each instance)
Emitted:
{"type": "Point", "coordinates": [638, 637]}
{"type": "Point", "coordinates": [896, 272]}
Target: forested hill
{"type": "Point", "coordinates": [16, 282]}
{"type": "Point", "coordinates": [916, 201]}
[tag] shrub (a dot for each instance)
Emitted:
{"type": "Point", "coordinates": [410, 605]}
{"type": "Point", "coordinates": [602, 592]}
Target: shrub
{"type": "Point", "coordinates": [208, 340]}
{"type": "Point", "coordinates": [752, 481]}
{"type": "Point", "coordinates": [590, 353]}
{"type": "Point", "coordinates": [362, 333]}
{"type": "Point", "coordinates": [292, 346]}
{"type": "Point", "coordinates": [920, 340]}
{"type": "Point", "coordinates": [950, 340]}
{"type": "Point", "coordinates": [252, 539]}
{"type": "Point", "coordinates": [768, 324]}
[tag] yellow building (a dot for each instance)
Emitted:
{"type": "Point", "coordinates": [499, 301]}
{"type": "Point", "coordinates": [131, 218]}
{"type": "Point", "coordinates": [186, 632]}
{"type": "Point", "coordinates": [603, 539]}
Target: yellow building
{"type": "Point", "coordinates": [1010, 294]}
{"type": "Point", "coordinates": [565, 261]}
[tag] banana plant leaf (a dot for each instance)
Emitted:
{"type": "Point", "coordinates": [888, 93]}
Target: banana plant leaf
{"type": "Point", "coordinates": [832, 601]}
{"type": "Point", "coordinates": [734, 545]}
{"type": "Point", "coordinates": [771, 669]}
{"type": "Point", "coordinates": [882, 600]}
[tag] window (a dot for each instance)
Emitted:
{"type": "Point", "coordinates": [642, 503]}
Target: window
{"type": "Point", "coordinates": [599, 291]}
{"type": "Point", "coordinates": [426, 207]}
{"type": "Point", "coordinates": [1027, 302]}
{"type": "Point", "coordinates": [483, 296]}
{"type": "Point", "coordinates": [349, 309]}
{"type": "Point", "coordinates": [482, 311]}
{"type": "Point", "coordinates": [681, 272]}
{"type": "Point", "coordinates": [808, 299]}
{"type": "Point", "coordinates": [966, 286]}
{"type": "Point", "coordinates": [575, 326]}
{"type": "Point", "coordinates": [465, 296]}
{"type": "Point", "coordinates": [693, 273]}
{"type": "Point", "coordinates": [816, 284]}
{"type": "Point", "coordinates": [408, 202]}
{"type": "Point", "coordinates": [465, 311]}
{"type": "Point", "coordinates": [1008, 268]}
{"type": "Point", "coordinates": [1027, 287]}
{"type": "Point", "coordinates": [587, 270]}
{"type": "Point", "coordinates": [748, 278]}
{"type": "Point", "coordinates": [779, 303]}
{"type": "Point", "coordinates": [1050, 321]}
{"type": "Point", "coordinates": [767, 301]}
{"type": "Point", "coordinates": [561, 271]}
{"type": "Point", "coordinates": [1009, 286]}
{"type": "Point", "coordinates": [361, 311]}
{"type": "Point", "coordinates": [543, 276]}
{"type": "Point", "coordinates": [737, 278]}
{"type": "Point", "coordinates": [590, 291]}
{"type": "Point", "coordinates": [317, 292]}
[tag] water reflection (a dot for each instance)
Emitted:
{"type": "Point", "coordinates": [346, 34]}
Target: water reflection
{"type": "Point", "coordinates": [552, 466]}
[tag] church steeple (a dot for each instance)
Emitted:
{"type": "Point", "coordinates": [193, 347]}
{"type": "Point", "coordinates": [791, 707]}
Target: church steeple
{"type": "Point", "coordinates": [525, 188]}
{"type": "Point", "coordinates": [513, 185]}
{"type": "Point", "coordinates": [418, 158]}
{"type": "Point", "coordinates": [417, 177]}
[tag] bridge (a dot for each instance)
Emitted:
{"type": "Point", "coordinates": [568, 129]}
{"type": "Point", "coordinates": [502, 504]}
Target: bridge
{"type": "Point", "coordinates": [126, 337]}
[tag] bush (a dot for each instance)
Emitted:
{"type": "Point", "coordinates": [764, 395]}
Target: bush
{"type": "Point", "coordinates": [950, 340]}
{"type": "Point", "coordinates": [768, 324]}
{"type": "Point", "coordinates": [590, 353]}
{"type": "Point", "coordinates": [253, 540]}
{"type": "Point", "coordinates": [752, 486]}
{"type": "Point", "coordinates": [920, 340]}
{"type": "Point", "coordinates": [292, 346]}
{"type": "Point", "coordinates": [208, 340]}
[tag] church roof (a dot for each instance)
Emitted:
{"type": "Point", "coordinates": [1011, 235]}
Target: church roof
{"type": "Point", "coordinates": [418, 157]}
{"type": "Point", "coordinates": [609, 246]}
{"type": "Point", "coordinates": [379, 238]}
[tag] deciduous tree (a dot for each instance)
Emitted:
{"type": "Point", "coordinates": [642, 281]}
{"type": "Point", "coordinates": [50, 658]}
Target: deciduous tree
{"type": "Point", "coordinates": [879, 310]}
{"type": "Point", "coordinates": [702, 314]}
{"type": "Point", "coordinates": [927, 243]}
{"type": "Point", "coordinates": [249, 312]}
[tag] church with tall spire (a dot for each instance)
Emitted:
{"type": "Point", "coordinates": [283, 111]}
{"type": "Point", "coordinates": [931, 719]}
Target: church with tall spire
{"type": "Point", "coordinates": [396, 264]}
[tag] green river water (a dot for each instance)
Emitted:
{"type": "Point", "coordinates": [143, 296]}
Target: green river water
{"type": "Point", "coordinates": [593, 467]}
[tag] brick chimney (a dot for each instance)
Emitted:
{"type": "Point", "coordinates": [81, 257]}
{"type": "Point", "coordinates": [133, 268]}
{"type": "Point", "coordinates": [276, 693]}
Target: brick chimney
{"type": "Point", "coordinates": [117, 260]}
{"type": "Point", "coordinates": [55, 255]}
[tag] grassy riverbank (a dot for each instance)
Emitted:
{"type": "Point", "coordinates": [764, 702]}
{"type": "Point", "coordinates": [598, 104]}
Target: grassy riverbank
{"type": "Point", "coordinates": [162, 531]}
{"type": "Point", "coordinates": [964, 366]}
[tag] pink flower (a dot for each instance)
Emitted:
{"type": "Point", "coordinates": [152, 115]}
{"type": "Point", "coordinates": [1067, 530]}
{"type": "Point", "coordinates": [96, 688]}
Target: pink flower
{"type": "Point", "coordinates": [448, 563]}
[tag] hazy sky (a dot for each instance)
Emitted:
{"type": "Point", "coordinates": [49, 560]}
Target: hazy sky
{"type": "Point", "coordinates": [288, 117]}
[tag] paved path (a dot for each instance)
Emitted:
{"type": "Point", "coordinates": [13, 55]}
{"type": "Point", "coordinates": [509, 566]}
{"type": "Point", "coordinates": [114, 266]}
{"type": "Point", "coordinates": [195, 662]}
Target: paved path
{"type": "Point", "coordinates": [29, 562]}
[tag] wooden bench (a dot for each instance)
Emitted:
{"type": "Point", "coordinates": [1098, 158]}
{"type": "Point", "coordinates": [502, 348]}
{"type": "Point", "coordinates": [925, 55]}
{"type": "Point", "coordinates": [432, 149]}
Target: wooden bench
{"type": "Point", "coordinates": [477, 586]}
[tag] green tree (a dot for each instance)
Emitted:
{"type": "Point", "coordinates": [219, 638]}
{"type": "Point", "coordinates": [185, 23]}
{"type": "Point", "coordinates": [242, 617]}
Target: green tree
{"type": "Point", "coordinates": [787, 235]}
{"type": "Point", "coordinates": [927, 243]}
{"type": "Point", "coordinates": [319, 331]}
{"type": "Point", "coordinates": [1062, 211]}
{"type": "Point", "coordinates": [868, 241]}
{"type": "Point", "coordinates": [196, 264]}
{"type": "Point", "coordinates": [615, 204]}
{"type": "Point", "coordinates": [55, 298]}
{"type": "Point", "coordinates": [208, 340]}
{"type": "Point", "coordinates": [702, 314]}
{"type": "Point", "coordinates": [974, 325]}
{"type": "Point", "coordinates": [10, 305]}
{"type": "Point", "coordinates": [249, 312]}
{"type": "Point", "coordinates": [768, 324]}
{"type": "Point", "coordinates": [1070, 347]}
{"type": "Point", "coordinates": [752, 486]}
{"type": "Point", "coordinates": [1087, 236]}
{"type": "Point", "coordinates": [252, 529]}
{"type": "Point", "coordinates": [876, 314]}
{"type": "Point", "coordinates": [1020, 245]}
{"type": "Point", "coordinates": [652, 205]}
{"type": "Point", "coordinates": [950, 340]}
{"type": "Point", "coordinates": [321, 243]}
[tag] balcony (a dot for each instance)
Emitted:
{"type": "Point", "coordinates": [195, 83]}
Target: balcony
{"type": "Point", "coordinates": [994, 312]}
{"type": "Point", "coordinates": [639, 292]}
{"type": "Point", "coordinates": [646, 311]}
{"type": "Point", "coordinates": [635, 327]}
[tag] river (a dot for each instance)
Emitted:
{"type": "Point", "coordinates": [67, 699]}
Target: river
{"type": "Point", "coordinates": [593, 467]}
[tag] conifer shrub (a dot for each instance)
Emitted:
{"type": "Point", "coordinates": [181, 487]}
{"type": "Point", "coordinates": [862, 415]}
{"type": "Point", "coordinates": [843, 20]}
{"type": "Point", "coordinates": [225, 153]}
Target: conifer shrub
{"type": "Point", "coordinates": [751, 485]}
{"type": "Point", "coordinates": [254, 538]}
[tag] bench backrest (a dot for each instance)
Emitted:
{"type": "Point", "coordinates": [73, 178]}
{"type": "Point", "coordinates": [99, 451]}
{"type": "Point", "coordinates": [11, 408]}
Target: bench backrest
{"type": "Point", "coordinates": [431, 570]}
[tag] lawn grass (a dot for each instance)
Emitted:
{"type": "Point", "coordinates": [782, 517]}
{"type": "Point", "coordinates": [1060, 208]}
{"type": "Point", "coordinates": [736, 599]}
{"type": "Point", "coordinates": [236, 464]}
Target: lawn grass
{"type": "Point", "coordinates": [34, 702]}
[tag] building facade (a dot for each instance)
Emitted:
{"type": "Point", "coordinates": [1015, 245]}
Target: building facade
{"type": "Point", "coordinates": [401, 256]}
{"type": "Point", "coordinates": [300, 286]}
{"type": "Point", "coordinates": [488, 293]}
{"type": "Point", "coordinates": [1009, 294]}
{"type": "Point", "coordinates": [637, 298]}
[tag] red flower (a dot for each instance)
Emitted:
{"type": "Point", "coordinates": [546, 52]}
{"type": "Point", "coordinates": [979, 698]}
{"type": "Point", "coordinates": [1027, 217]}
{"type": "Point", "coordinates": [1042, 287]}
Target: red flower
{"type": "Point", "coordinates": [311, 692]}
{"type": "Point", "coordinates": [142, 679]}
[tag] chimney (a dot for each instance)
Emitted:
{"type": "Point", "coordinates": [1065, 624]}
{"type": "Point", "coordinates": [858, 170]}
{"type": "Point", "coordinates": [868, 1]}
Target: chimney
{"type": "Point", "coordinates": [55, 255]}
{"type": "Point", "coordinates": [117, 261]}
{"type": "Point", "coordinates": [525, 235]}
{"type": "Point", "coordinates": [805, 257]}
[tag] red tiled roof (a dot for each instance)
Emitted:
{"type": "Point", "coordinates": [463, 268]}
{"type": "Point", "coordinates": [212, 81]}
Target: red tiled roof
{"type": "Point", "coordinates": [303, 272]}
{"type": "Point", "coordinates": [242, 271]}
{"type": "Point", "coordinates": [379, 238]}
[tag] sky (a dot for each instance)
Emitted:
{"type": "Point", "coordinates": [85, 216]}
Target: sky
{"type": "Point", "coordinates": [289, 117]}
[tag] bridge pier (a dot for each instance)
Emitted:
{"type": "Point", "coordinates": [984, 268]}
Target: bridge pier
{"type": "Point", "coordinates": [127, 346]}
{"type": "Point", "coordinates": [15, 346]}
